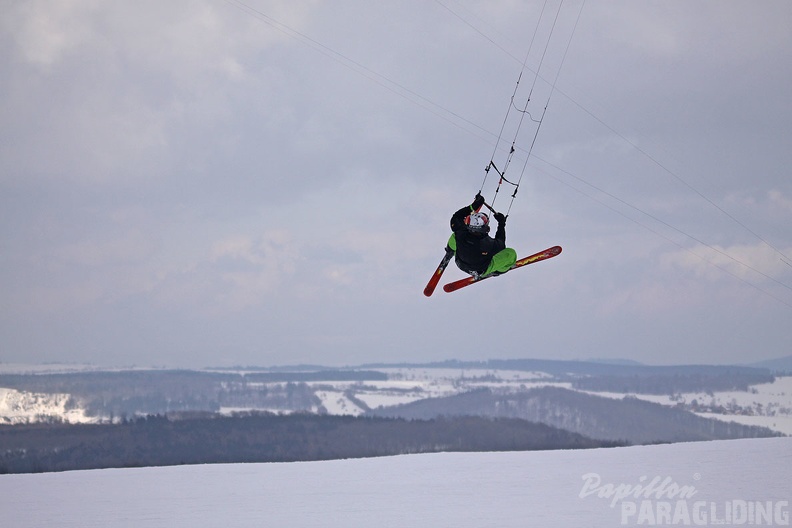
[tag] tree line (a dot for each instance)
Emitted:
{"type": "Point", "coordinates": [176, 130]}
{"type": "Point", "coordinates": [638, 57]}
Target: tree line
{"type": "Point", "coordinates": [201, 438]}
{"type": "Point", "coordinates": [723, 379]}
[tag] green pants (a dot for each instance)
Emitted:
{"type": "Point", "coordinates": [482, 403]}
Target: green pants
{"type": "Point", "coordinates": [501, 262]}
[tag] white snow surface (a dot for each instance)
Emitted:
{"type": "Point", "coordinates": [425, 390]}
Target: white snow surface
{"type": "Point", "coordinates": [25, 407]}
{"type": "Point", "coordinates": [699, 484]}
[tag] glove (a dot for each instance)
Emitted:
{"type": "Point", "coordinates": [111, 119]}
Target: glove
{"type": "Point", "coordinates": [500, 218]}
{"type": "Point", "coordinates": [478, 201]}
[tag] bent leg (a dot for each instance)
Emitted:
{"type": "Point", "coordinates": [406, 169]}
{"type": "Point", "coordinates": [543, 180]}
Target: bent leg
{"type": "Point", "coordinates": [502, 261]}
{"type": "Point", "coordinates": [452, 246]}
{"type": "Point", "coordinates": [452, 242]}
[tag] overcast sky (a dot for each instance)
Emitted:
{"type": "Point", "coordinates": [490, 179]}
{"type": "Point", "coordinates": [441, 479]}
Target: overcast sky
{"type": "Point", "coordinates": [216, 183]}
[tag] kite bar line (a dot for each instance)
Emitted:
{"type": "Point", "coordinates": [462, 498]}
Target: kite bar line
{"type": "Point", "coordinates": [524, 111]}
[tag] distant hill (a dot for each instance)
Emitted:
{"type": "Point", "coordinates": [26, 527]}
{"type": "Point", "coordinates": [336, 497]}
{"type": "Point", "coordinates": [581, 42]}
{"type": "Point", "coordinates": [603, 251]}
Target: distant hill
{"type": "Point", "coordinates": [781, 365]}
{"type": "Point", "coordinates": [573, 369]}
{"type": "Point", "coordinates": [615, 361]}
{"type": "Point", "coordinates": [628, 419]}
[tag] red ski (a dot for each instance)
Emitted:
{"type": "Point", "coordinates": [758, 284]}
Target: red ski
{"type": "Point", "coordinates": [467, 281]}
{"type": "Point", "coordinates": [430, 288]}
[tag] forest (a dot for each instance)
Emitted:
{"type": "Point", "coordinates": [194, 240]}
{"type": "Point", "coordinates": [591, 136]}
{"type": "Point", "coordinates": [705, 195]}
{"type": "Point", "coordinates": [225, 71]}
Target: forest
{"type": "Point", "coordinates": [202, 438]}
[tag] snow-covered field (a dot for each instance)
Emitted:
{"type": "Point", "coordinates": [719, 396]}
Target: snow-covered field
{"type": "Point", "coordinates": [732, 483]}
{"type": "Point", "coordinates": [405, 385]}
{"type": "Point", "coordinates": [16, 406]}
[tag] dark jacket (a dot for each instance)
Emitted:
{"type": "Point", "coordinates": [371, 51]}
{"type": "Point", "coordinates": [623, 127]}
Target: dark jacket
{"type": "Point", "coordinates": [474, 251]}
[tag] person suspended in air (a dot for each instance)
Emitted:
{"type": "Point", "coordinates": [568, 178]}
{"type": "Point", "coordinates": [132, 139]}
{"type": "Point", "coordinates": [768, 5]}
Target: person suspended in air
{"type": "Point", "coordinates": [475, 251]}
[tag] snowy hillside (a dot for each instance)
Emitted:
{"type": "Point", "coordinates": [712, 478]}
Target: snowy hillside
{"type": "Point", "coordinates": [734, 483]}
{"type": "Point", "coordinates": [26, 407]}
{"type": "Point", "coordinates": [106, 395]}
{"type": "Point", "coordinates": [766, 405]}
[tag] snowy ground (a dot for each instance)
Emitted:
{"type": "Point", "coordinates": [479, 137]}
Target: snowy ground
{"type": "Point", "coordinates": [16, 407]}
{"type": "Point", "coordinates": [732, 483]}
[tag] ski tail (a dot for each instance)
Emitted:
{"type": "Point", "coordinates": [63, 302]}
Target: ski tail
{"type": "Point", "coordinates": [430, 287]}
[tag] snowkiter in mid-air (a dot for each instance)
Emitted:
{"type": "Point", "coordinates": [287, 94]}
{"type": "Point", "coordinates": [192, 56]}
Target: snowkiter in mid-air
{"type": "Point", "coordinates": [476, 252]}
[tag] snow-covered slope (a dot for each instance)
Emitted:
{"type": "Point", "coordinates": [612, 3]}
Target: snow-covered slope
{"type": "Point", "coordinates": [26, 407]}
{"type": "Point", "coordinates": [738, 482]}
